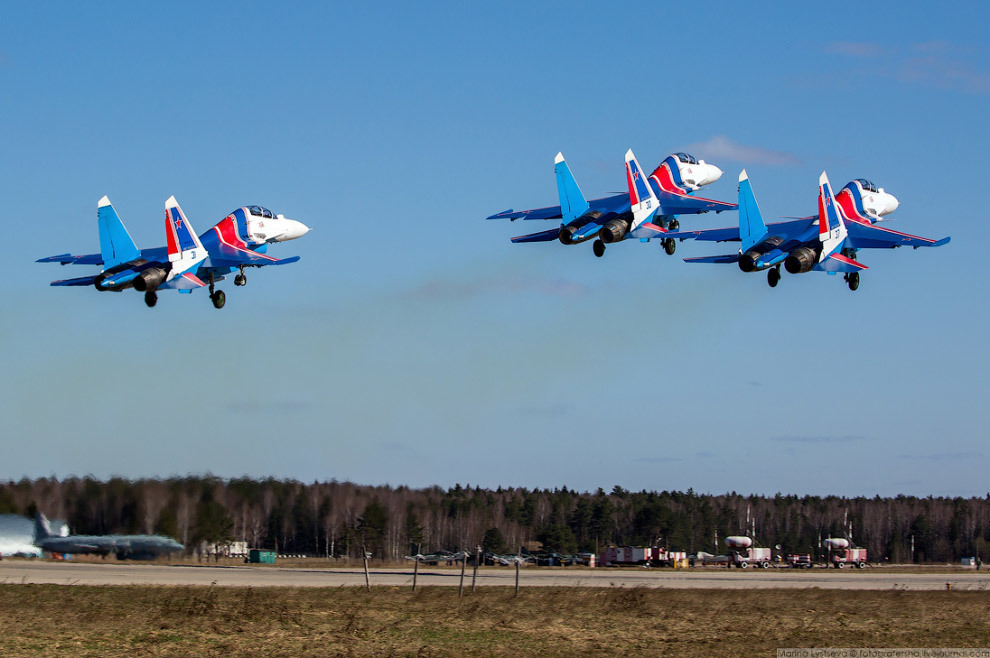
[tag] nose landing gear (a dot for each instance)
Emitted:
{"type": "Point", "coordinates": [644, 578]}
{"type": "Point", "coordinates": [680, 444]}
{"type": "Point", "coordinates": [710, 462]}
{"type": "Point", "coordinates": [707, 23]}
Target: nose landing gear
{"type": "Point", "coordinates": [240, 279]}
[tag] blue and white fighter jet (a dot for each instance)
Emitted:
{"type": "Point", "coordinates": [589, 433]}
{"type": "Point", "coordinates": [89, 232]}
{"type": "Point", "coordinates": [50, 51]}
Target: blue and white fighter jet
{"type": "Point", "coordinates": [610, 219]}
{"type": "Point", "coordinates": [188, 261]}
{"type": "Point", "coordinates": [827, 242]}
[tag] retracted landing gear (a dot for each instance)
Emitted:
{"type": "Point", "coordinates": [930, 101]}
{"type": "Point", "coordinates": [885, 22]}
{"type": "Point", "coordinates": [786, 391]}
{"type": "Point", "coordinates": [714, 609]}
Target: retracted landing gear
{"type": "Point", "coordinates": [217, 296]}
{"type": "Point", "coordinates": [151, 298]}
{"type": "Point", "coordinates": [670, 246]}
{"type": "Point", "coordinates": [598, 247]}
{"type": "Point", "coordinates": [240, 279]}
{"type": "Point", "coordinates": [773, 276]}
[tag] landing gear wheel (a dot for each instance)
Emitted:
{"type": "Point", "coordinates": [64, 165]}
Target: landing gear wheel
{"type": "Point", "coordinates": [240, 280]}
{"type": "Point", "coordinates": [151, 298]}
{"type": "Point", "coordinates": [599, 248]}
{"type": "Point", "coordinates": [670, 246]}
{"type": "Point", "coordinates": [853, 280]}
{"type": "Point", "coordinates": [773, 277]}
{"type": "Point", "coordinates": [673, 225]}
{"type": "Point", "coordinates": [219, 299]}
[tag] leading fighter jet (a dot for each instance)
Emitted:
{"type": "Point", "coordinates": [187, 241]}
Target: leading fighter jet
{"type": "Point", "coordinates": [610, 219]}
{"type": "Point", "coordinates": [135, 547]}
{"type": "Point", "coordinates": [826, 242]}
{"type": "Point", "coordinates": [187, 261]}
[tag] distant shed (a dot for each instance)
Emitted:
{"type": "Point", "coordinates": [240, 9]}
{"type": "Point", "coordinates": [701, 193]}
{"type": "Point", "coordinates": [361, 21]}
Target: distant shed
{"type": "Point", "coordinates": [258, 556]}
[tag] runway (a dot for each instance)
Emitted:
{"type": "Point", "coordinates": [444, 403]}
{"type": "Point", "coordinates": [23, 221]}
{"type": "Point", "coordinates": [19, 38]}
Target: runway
{"type": "Point", "coordinates": [68, 573]}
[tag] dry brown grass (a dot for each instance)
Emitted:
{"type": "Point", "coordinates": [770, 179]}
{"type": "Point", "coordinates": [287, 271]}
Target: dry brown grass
{"type": "Point", "coordinates": [47, 620]}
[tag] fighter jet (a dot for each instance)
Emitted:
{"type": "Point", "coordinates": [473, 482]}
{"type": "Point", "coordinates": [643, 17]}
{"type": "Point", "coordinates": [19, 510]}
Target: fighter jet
{"type": "Point", "coordinates": [826, 242]}
{"type": "Point", "coordinates": [608, 220]}
{"type": "Point", "coordinates": [188, 261]}
{"type": "Point", "coordinates": [132, 547]}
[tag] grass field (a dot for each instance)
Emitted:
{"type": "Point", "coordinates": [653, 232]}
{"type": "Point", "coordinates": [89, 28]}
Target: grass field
{"type": "Point", "coordinates": [49, 620]}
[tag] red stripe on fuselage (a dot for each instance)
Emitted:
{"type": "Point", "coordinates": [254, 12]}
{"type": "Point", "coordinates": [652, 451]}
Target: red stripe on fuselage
{"type": "Point", "coordinates": [226, 232]}
{"type": "Point", "coordinates": [665, 179]}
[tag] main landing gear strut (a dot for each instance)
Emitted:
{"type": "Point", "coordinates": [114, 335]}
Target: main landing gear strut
{"type": "Point", "coordinates": [852, 278]}
{"type": "Point", "coordinates": [240, 279]}
{"type": "Point", "coordinates": [217, 297]}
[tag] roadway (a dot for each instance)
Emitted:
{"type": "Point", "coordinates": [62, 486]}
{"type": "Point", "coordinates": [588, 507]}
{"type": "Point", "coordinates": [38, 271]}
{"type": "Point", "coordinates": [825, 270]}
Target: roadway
{"type": "Point", "coordinates": [135, 573]}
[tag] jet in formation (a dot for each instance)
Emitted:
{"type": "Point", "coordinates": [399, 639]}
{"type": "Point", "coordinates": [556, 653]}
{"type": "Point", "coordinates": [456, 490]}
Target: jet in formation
{"type": "Point", "coordinates": [609, 219]}
{"type": "Point", "coordinates": [188, 261]}
{"type": "Point", "coordinates": [826, 242]}
{"type": "Point", "coordinates": [133, 547]}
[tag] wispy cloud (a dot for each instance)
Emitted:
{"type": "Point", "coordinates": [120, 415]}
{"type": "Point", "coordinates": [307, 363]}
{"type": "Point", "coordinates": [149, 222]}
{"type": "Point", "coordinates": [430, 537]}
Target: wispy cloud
{"type": "Point", "coordinates": [938, 64]}
{"type": "Point", "coordinates": [658, 460]}
{"type": "Point", "coordinates": [794, 438]}
{"type": "Point", "coordinates": [459, 290]}
{"type": "Point", "coordinates": [721, 148]}
{"type": "Point", "coordinates": [942, 456]}
{"type": "Point", "coordinates": [856, 48]}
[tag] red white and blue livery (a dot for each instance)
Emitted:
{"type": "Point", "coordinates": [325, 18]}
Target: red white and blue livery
{"type": "Point", "coordinates": [669, 191]}
{"type": "Point", "coordinates": [825, 242]}
{"type": "Point", "coordinates": [187, 261]}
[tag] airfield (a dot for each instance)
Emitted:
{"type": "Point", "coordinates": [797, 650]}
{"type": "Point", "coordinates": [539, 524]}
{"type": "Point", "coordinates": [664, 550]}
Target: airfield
{"type": "Point", "coordinates": [90, 573]}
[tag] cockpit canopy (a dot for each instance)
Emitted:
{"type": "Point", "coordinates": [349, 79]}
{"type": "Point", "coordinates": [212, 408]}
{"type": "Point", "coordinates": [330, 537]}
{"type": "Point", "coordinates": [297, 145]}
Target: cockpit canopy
{"type": "Point", "coordinates": [686, 158]}
{"type": "Point", "coordinates": [867, 186]}
{"type": "Point", "coordinates": [259, 211]}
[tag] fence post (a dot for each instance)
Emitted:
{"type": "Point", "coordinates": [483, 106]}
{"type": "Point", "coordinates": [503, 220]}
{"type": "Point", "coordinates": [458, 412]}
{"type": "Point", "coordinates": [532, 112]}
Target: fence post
{"type": "Point", "coordinates": [367, 578]}
{"type": "Point", "coordinates": [460, 588]}
{"type": "Point", "coordinates": [517, 576]}
{"type": "Point", "coordinates": [415, 572]}
{"type": "Point", "coordinates": [477, 561]}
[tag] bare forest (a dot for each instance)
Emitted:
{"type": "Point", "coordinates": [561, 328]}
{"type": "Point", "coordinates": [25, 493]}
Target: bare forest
{"type": "Point", "coordinates": [338, 518]}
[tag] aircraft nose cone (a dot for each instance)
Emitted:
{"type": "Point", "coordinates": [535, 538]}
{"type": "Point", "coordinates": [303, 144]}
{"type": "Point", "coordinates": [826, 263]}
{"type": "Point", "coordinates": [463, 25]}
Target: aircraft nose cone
{"type": "Point", "coordinates": [892, 203]}
{"type": "Point", "coordinates": [293, 229]}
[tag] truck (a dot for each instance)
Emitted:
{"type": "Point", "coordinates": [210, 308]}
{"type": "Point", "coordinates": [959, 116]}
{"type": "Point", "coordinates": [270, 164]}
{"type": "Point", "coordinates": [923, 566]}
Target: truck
{"type": "Point", "coordinates": [800, 560]}
{"type": "Point", "coordinates": [745, 554]}
{"type": "Point", "coordinates": [841, 553]}
{"type": "Point", "coordinates": [629, 555]}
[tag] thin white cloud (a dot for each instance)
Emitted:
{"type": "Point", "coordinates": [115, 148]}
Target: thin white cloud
{"type": "Point", "coordinates": [856, 48]}
{"type": "Point", "coordinates": [721, 148]}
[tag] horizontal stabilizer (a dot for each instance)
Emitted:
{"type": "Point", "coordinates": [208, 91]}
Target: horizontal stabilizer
{"type": "Point", "coordinates": [247, 259]}
{"type": "Point", "coordinates": [838, 263]}
{"type": "Point", "coordinates": [728, 258]}
{"type": "Point", "coordinates": [542, 236]}
{"type": "Point", "coordinates": [185, 281]}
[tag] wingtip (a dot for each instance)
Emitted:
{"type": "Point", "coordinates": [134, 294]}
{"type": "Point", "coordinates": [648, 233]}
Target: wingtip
{"type": "Point", "coordinates": [559, 158]}
{"type": "Point", "coordinates": [743, 176]}
{"type": "Point", "coordinates": [104, 202]}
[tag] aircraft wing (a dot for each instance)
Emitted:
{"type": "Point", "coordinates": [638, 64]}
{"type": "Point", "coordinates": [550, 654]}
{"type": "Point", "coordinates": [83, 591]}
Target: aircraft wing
{"type": "Point", "coordinates": [614, 204]}
{"type": "Point", "coordinates": [727, 258]}
{"type": "Point", "coordinates": [871, 236]}
{"type": "Point", "coordinates": [685, 204]}
{"type": "Point", "coordinates": [838, 263]}
{"type": "Point", "coordinates": [81, 281]}
{"type": "Point", "coordinates": [228, 256]}
{"type": "Point", "coordinates": [67, 259]}
{"type": "Point", "coordinates": [731, 233]}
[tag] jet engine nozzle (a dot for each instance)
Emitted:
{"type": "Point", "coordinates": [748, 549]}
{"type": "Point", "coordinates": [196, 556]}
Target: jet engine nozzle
{"type": "Point", "coordinates": [801, 260]}
{"type": "Point", "coordinates": [149, 279]}
{"type": "Point", "coordinates": [747, 261]}
{"type": "Point", "coordinates": [566, 235]}
{"type": "Point", "coordinates": [613, 230]}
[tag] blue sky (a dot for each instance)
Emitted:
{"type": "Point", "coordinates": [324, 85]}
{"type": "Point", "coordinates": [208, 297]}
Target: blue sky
{"type": "Point", "coordinates": [413, 343]}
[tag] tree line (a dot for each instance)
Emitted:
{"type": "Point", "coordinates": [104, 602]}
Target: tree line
{"type": "Point", "coordinates": [343, 519]}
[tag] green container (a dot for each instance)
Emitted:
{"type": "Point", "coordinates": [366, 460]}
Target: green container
{"type": "Point", "coordinates": [258, 556]}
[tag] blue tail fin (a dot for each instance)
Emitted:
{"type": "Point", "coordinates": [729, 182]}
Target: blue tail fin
{"type": "Point", "coordinates": [752, 228]}
{"type": "Point", "coordinates": [116, 245]}
{"type": "Point", "coordinates": [572, 201]}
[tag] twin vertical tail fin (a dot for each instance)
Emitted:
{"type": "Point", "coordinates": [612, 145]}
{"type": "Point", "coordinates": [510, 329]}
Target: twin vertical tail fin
{"type": "Point", "coordinates": [116, 245]}
{"type": "Point", "coordinates": [572, 201]}
{"type": "Point", "coordinates": [642, 200]}
{"type": "Point", "coordinates": [183, 243]}
{"type": "Point", "coordinates": [752, 228]}
{"type": "Point", "coordinates": [831, 228]}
